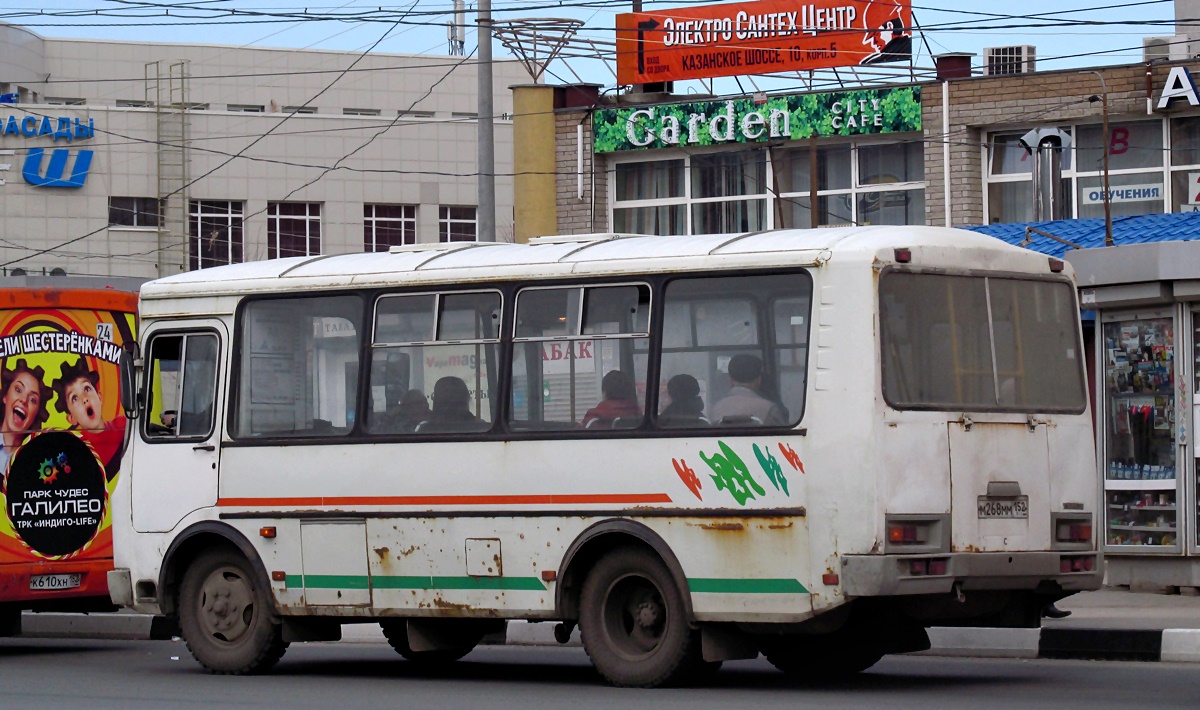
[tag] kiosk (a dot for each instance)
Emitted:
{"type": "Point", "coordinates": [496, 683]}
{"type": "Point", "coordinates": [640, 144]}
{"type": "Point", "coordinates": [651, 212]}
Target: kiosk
{"type": "Point", "coordinates": [1146, 299]}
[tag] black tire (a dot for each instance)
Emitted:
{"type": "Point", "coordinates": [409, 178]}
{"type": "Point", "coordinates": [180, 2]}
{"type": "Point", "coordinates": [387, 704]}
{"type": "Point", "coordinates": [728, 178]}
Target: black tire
{"type": "Point", "coordinates": [10, 620]}
{"type": "Point", "coordinates": [226, 617]}
{"type": "Point", "coordinates": [634, 624]}
{"type": "Point", "coordinates": [396, 632]}
{"type": "Point", "coordinates": [807, 658]}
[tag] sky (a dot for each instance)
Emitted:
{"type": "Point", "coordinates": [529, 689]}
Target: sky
{"type": "Point", "coordinates": [1113, 34]}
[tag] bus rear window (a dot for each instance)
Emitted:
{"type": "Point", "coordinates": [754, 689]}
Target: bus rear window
{"type": "Point", "coordinates": [980, 343]}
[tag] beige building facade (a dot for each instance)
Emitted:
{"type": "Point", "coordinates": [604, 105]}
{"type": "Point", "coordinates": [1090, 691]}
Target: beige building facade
{"type": "Point", "coordinates": [251, 153]}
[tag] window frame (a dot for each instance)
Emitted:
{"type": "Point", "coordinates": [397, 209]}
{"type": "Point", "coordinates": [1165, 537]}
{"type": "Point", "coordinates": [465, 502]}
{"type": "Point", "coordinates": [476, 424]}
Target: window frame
{"type": "Point", "coordinates": [501, 429]}
{"type": "Point", "coordinates": [770, 196]}
{"type": "Point", "coordinates": [232, 400]}
{"type": "Point", "coordinates": [147, 394]}
{"type": "Point", "coordinates": [137, 211]}
{"type": "Point", "coordinates": [996, 409]}
{"type": "Point", "coordinates": [372, 223]}
{"type": "Point", "coordinates": [1074, 175]}
{"type": "Point", "coordinates": [235, 224]}
{"type": "Point", "coordinates": [446, 222]}
{"type": "Point", "coordinates": [494, 369]}
{"type": "Point", "coordinates": [274, 217]}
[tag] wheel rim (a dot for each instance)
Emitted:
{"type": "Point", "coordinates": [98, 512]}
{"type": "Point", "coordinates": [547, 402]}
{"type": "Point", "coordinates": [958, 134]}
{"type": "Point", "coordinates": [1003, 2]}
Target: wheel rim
{"type": "Point", "coordinates": [635, 616]}
{"type": "Point", "coordinates": [226, 605]}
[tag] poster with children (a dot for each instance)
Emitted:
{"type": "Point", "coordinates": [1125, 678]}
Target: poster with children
{"type": "Point", "coordinates": [62, 430]}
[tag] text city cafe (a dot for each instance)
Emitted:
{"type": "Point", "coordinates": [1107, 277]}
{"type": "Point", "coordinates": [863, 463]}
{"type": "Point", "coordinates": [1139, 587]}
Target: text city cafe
{"type": "Point", "coordinates": [744, 25]}
{"type": "Point", "coordinates": [752, 125]}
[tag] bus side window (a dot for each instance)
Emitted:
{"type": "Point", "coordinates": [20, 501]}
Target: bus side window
{"type": "Point", "coordinates": [580, 358]}
{"type": "Point", "coordinates": [734, 351]}
{"type": "Point", "coordinates": [433, 363]}
{"type": "Point", "coordinates": [183, 383]}
{"type": "Point", "coordinates": [298, 374]}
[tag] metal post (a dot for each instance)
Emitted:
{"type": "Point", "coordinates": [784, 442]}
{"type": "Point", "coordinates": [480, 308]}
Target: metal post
{"type": "Point", "coordinates": [1108, 236]}
{"type": "Point", "coordinates": [486, 216]}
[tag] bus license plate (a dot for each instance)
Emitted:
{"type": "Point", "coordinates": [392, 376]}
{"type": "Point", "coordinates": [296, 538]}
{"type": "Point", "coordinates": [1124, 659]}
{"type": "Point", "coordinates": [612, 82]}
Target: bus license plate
{"type": "Point", "coordinates": [1004, 507]}
{"type": "Point", "coordinates": [48, 582]}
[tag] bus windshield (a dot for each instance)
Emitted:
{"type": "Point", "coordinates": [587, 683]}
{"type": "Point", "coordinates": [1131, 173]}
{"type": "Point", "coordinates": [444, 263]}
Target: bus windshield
{"type": "Point", "coordinates": [980, 343]}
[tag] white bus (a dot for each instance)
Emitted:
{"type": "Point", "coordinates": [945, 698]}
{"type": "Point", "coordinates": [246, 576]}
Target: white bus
{"type": "Point", "coordinates": [808, 444]}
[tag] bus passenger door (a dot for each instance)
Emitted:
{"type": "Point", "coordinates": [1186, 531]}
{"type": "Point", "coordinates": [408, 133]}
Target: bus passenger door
{"type": "Point", "coordinates": [175, 464]}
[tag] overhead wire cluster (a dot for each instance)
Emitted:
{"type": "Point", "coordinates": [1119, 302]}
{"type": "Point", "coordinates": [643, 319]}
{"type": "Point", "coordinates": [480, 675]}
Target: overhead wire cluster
{"type": "Point", "coordinates": [141, 13]}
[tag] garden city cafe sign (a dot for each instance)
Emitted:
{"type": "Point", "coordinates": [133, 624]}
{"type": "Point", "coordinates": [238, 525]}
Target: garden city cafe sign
{"type": "Point", "coordinates": [842, 113]}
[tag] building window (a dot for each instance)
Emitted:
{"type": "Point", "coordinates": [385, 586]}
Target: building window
{"type": "Point", "coordinates": [456, 224]}
{"type": "Point", "coordinates": [386, 226]}
{"type": "Point", "coordinates": [215, 233]}
{"type": "Point", "coordinates": [65, 101]}
{"type": "Point", "coordinates": [756, 189]}
{"type": "Point", "coordinates": [1185, 164]}
{"type": "Point", "coordinates": [1137, 167]}
{"type": "Point", "coordinates": [416, 114]}
{"type": "Point", "coordinates": [133, 211]}
{"type": "Point", "coordinates": [293, 229]}
{"type": "Point", "coordinates": [245, 108]}
{"type": "Point", "coordinates": [361, 112]}
{"type": "Point", "coordinates": [309, 110]}
{"type": "Point", "coordinates": [134, 103]}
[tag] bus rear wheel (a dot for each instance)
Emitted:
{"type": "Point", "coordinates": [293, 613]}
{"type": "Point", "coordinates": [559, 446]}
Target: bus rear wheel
{"type": "Point", "coordinates": [226, 618]}
{"type": "Point", "coordinates": [396, 633]}
{"type": "Point", "coordinates": [633, 622]}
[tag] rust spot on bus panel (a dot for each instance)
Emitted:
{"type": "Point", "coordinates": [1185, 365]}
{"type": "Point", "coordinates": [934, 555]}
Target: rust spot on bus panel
{"type": "Point", "coordinates": [406, 551]}
{"type": "Point", "coordinates": [780, 526]}
{"type": "Point", "coordinates": [499, 565]}
{"type": "Point", "coordinates": [382, 552]}
{"type": "Point", "coordinates": [735, 527]}
{"type": "Point", "coordinates": [443, 604]}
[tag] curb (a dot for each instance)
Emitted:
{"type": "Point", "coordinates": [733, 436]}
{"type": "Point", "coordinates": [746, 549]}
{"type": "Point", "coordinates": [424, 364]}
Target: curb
{"type": "Point", "coordinates": [1168, 645]}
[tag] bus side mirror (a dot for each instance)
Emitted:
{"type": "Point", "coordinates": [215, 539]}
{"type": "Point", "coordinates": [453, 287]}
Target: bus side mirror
{"type": "Point", "coordinates": [129, 398]}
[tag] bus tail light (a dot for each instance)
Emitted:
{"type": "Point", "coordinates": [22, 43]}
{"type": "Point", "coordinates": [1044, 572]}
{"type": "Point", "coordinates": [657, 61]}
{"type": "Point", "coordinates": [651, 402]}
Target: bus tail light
{"type": "Point", "coordinates": [1073, 528]}
{"type": "Point", "coordinates": [1079, 563]}
{"type": "Point", "coordinates": [932, 567]}
{"type": "Point", "coordinates": [911, 533]}
{"type": "Point", "coordinates": [906, 534]}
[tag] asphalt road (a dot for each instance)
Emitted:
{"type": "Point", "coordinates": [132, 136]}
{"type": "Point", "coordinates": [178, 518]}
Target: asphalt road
{"type": "Point", "coordinates": [96, 675]}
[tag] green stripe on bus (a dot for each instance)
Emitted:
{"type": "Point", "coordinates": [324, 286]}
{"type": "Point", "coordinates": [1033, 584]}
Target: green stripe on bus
{"type": "Point", "coordinates": [712, 585]}
{"type": "Point", "coordinates": [507, 583]}
{"type": "Point", "coordinates": [329, 581]}
{"type": "Point", "coordinates": [336, 581]}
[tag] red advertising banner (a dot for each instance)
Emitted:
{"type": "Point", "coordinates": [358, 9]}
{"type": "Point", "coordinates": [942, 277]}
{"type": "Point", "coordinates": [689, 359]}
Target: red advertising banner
{"type": "Point", "coordinates": [760, 37]}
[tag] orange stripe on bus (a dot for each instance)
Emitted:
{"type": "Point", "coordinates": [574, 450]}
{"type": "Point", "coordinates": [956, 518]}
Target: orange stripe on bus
{"type": "Point", "coordinates": [626, 499]}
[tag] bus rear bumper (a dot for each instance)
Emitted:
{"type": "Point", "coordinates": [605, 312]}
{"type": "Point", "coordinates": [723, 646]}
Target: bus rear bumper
{"type": "Point", "coordinates": [897, 575]}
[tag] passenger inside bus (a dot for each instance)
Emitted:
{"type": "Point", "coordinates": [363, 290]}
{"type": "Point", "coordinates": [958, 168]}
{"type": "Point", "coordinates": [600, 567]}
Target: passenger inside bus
{"type": "Point", "coordinates": [743, 404]}
{"type": "Point", "coordinates": [687, 406]}
{"type": "Point", "coordinates": [619, 409]}
{"type": "Point", "coordinates": [406, 415]}
{"type": "Point", "coordinates": [451, 409]}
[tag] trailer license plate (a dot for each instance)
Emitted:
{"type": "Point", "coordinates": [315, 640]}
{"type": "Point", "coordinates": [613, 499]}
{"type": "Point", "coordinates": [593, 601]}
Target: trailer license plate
{"type": "Point", "coordinates": [47, 582]}
{"type": "Point", "coordinates": [1017, 507]}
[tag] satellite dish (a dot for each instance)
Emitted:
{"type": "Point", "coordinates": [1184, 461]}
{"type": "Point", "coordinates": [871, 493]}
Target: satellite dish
{"type": "Point", "coordinates": [58, 271]}
{"type": "Point", "coordinates": [17, 272]}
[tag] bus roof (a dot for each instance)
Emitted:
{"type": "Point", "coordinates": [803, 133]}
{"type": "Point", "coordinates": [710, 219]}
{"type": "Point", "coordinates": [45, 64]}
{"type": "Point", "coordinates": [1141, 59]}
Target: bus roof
{"type": "Point", "coordinates": [580, 255]}
{"type": "Point", "coordinates": [92, 299]}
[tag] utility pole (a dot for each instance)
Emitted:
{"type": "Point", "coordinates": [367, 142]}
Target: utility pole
{"type": "Point", "coordinates": [486, 213]}
{"type": "Point", "coordinates": [1108, 237]}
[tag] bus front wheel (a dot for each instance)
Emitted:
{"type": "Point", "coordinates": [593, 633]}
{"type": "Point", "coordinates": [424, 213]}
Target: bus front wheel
{"type": "Point", "coordinates": [633, 622]}
{"type": "Point", "coordinates": [226, 617]}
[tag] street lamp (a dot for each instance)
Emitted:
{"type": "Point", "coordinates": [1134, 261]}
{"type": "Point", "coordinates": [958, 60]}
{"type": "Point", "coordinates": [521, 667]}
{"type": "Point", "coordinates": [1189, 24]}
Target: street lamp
{"type": "Point", "coordinates": [1108, 237]}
